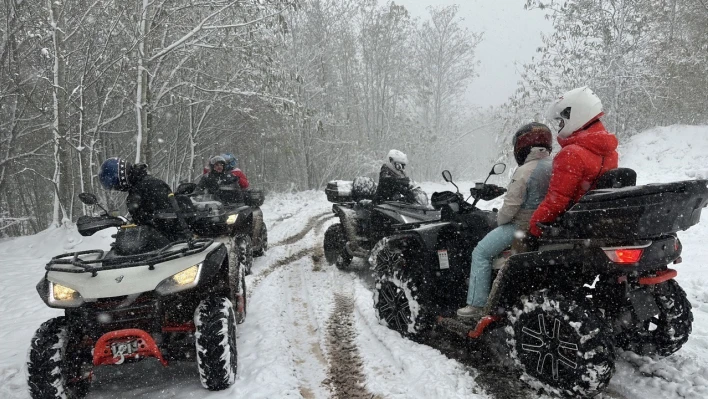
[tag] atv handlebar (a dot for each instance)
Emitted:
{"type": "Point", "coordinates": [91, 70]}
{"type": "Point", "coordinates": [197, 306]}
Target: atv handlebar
{"type": "Point", "coordinates": [486, 192]}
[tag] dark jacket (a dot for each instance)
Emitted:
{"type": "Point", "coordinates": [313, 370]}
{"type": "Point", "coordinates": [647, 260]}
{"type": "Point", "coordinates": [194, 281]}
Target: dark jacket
{"type": "Point", "coordinates": [393, 185]}
{"type": "Point", "coordinates": [147, 196]}
{"type": "Point", "coordinates": [224, 186]}
{"type": "Point", "coordinates": [585, 155]}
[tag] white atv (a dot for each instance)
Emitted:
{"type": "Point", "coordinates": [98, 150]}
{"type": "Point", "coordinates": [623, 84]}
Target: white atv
{"type": "Point", "coordinates": [148, 296]}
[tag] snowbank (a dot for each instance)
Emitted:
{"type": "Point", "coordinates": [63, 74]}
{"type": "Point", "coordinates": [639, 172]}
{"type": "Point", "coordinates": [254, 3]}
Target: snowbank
{"type": "Point", "coordinates": [668, 153]}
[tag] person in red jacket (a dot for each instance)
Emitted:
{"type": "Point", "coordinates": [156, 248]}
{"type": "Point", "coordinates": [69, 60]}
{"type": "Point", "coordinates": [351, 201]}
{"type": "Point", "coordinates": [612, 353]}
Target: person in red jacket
{"type": "Point", "coordinates": [232, 167]}
{"type": "Point", "coordinates": [587, 152]}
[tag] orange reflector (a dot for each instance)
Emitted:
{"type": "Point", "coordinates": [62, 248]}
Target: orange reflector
{"type": "Point", "coordinates": [624, 255]}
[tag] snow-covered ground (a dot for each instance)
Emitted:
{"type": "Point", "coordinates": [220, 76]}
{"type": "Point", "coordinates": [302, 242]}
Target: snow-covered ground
{"type": "Point", "coordinates": [311, 331]}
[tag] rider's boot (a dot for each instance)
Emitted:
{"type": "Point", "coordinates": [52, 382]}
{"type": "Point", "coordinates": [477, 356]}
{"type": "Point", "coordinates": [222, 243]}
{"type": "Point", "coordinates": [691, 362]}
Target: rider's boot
{"type": "Point", "coordinates": [471, 312]}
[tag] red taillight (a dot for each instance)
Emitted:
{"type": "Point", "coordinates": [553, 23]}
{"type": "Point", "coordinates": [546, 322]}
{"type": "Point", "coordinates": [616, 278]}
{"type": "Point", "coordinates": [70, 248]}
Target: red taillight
{"type": "Point", "coordinates": [624, 255]}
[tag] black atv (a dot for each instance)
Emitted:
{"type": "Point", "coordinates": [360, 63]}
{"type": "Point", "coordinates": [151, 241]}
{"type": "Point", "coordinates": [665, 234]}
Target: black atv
{"type": "Point", "coordinates": [240, 225]}
{"type": "Point", "coordinates": [599, 279]}
{"type": "Point", "coordinates": [149, 296]}
{"type": "Point", "coordinates": [364, 222]}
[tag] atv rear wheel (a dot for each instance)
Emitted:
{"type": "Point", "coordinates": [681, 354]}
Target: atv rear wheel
{"type": "Point", "coordinates": [215, 340]}
{"type": "Point", "coordinates": [263, 242]}
{"type": "Point", "coordinates": [245, 252]}
{"type": "Point", "coordinates": [53, 371]}
{"type": "Point", "coordinates": [334, 242]}
{"type": "Point", "coordinates": [666, 332]}
{"type": "Point", "coordinates": [399, 300]}
{"type": "Point", "coordinates": [562, 343]}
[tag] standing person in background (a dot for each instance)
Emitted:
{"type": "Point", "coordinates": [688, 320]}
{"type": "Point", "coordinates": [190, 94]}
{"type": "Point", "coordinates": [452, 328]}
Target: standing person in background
{"type": "Point", "coordinates": [587, 152]}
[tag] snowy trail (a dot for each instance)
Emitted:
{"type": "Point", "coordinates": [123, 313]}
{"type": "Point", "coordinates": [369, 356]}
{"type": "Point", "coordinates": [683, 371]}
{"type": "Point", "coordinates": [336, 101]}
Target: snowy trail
{"type": "Point", "coordinates": [311, 330]}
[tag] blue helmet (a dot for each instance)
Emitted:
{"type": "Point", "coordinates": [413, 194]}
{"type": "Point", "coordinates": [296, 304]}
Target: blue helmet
{"type": "Point", "coordinates": [114, 174]}
{"type": "Point", "coordinates": [231, 160]}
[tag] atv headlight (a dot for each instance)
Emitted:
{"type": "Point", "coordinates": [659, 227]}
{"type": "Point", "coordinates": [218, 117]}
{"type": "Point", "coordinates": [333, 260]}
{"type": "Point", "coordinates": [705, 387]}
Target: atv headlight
{"type": "Point", "coordinates": [186, 279]}
{"type": "Point", "coordinates": [231, 219]}
{"type": "Point", "coordinates": [186, 276]}
{"type": "Point", "coordinates": [61, 293]}
{"type": "Point", "coordinates": [64, 297]}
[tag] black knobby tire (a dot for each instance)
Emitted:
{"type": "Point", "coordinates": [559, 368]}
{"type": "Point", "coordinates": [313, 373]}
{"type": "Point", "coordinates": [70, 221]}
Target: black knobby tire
{"type": "Point", "coordinates": [215, 340]}
{"type": "Point", "coordinates": [52, 371]}
{"type": "Point", "coordinates": [564, 344]}
{"type": "Point", "coordinates": [665, 333]}
{"type": "Point", "coordinates": [263, 242]}
{"type": "Point", "coordinates": [245, 252]}
{"type": "Point", "coordinates": [334, 242]}
{"type": "Point", "coordinates": [400, 299]}
{"type": "Point", "coordinates": [241, 293]}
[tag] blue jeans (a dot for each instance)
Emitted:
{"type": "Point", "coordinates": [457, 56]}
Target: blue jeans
{"type": "Point", "coordinates": [481, 274]}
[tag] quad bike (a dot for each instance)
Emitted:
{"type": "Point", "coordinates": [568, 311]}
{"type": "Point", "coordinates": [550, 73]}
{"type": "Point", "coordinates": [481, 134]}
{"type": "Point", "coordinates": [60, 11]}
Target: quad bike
{"type": "Point", "coordinates": [149, 296]}
{"type": "Point", "coordinates": [599, 279]}
{"type": "Point", "coordinates": [239, 225]}
{"type": "Point", "coordinates": [364, 222]}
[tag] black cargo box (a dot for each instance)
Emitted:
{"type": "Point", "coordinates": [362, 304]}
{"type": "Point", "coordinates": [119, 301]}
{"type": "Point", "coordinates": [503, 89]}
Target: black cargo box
{"type": "Point", "coordinates": [253, 197]}
{"type": "Point", "coordinates": [636, 212]}
{"type": "Point", "coordinates": [339, 191]}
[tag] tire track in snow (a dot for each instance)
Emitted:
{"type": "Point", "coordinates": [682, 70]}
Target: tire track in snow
{"type": "Point", "coordinates": [314, 223]}
{"type": "Point", "coordinates": [311, 223]}
{"type": "Point", "coordinates": [345, 366]}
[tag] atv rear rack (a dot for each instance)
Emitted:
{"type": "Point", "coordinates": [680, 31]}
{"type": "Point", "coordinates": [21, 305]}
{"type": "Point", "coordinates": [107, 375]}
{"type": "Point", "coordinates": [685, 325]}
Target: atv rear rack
{"type": "Point", "coordinates": [150, 259]}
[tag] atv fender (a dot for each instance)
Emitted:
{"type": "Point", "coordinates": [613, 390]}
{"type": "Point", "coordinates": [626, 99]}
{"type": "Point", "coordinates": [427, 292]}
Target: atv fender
{"type": "Point", "coordinates": [244, 223]}
{"type": "Point", "coordinates": [528, 272]}
{"type": "Point", "coordinates": [213, 261]}
{"type": "Point", "coordinates": [348, 219]}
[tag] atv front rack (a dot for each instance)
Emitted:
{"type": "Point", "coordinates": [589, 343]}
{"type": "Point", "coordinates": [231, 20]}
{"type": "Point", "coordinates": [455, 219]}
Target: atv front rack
{"type": "Point", "coordinates": [167, 253]}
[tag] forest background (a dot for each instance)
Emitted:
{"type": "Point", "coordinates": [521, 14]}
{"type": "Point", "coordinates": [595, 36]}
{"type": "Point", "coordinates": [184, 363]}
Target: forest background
{"type": "Point", "coordinates": [305, 91]}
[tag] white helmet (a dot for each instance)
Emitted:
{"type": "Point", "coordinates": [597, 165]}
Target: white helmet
{"type": "Point", "coordinates": [397, 159]}
{"type": "Point", "coordinates": [574, 110]}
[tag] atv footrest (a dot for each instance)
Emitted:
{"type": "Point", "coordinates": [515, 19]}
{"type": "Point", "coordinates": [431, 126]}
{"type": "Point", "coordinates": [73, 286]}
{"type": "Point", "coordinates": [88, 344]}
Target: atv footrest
{"type": "Point", "coordinates": [467, 328]}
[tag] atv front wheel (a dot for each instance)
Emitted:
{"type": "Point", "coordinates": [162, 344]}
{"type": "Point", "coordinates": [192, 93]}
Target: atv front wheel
{"type": "Point", "coordinates": [562, 343]}
{"type": "Point", "coordinates": [334, 242]}
{"type": "Point", "coordinates": [241, 299]}
{"type": "Point", "coordinates": [399, 300]}
{"type": "Point", "coordinates": [53, 370]}
{"type": "Point", "coordinates": [263, 242]}
{"type": "Point", "coordinates": [245, 252]}
{"type": "Point", "coordinates": [666, 332]}
{"type": "Point", "coordinates": [215, 340]}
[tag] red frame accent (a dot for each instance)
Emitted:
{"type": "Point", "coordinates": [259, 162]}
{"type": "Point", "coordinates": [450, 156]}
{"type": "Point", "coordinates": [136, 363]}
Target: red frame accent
{"type": "Point", "coordinates": [661, 276]}
{"type": "Point", "coordinates": [482, 324]}
{"type": "Point", "coordinates": [186, 327]}
{"type": "Point", "coordinates": [102, 350]}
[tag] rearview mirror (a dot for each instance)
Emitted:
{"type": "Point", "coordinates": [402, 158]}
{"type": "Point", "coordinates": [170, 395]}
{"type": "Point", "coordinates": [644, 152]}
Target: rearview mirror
{"type": "Point", "coordinates": [498, 169]}
{"type": "Point", "coordinates": [447, 175]}
{"type": "Point", "coordinates": [88, 198]}
{"type": "Point", "coordinates": [185, 188]}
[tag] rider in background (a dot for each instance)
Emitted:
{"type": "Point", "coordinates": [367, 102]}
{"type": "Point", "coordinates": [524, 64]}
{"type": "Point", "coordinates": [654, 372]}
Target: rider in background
{"type": "Point", "coordinates": [533, 144]}
{"type": "Point", "coordinates": [394, 184]}
{"type": "Point", "coordinates": [147, 195]}
{"type": "Point", "coordinates": [587, 152]}
{"type": "Point", "coordinates": [220, 183]}
{"type": "Point", "coordinates": [232, 167]}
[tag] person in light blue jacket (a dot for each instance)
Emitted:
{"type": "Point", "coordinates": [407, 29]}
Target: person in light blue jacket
{"type": "Point", "coordinates": [529, 184]}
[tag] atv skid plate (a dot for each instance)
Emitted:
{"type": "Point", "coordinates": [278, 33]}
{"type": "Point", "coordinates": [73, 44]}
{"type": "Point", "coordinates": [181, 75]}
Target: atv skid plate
{"type": "Point", "coordinates": [118, 346]}
{"type": "Point", "coordinates": [466, 329]}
